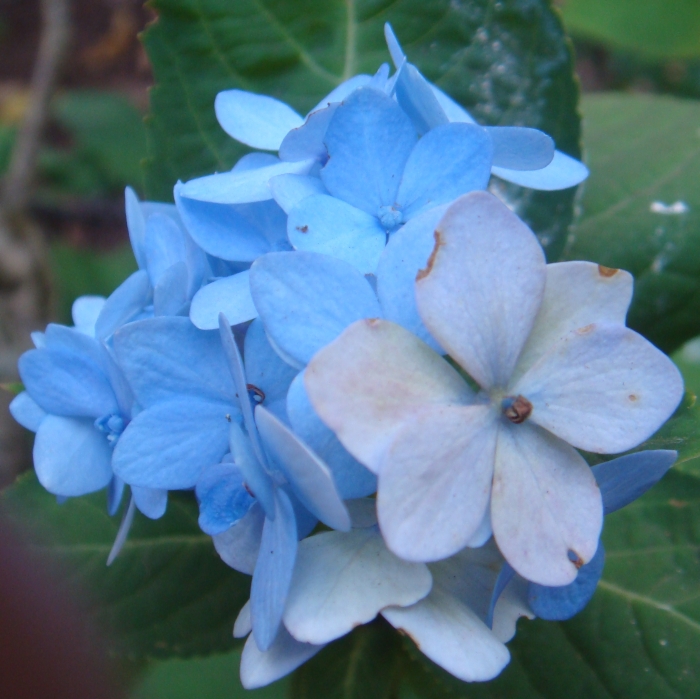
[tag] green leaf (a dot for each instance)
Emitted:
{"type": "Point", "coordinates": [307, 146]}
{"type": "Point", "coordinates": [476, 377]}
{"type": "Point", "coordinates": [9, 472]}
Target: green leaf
{"type": "Point", "coordinates": [643, 154]}
{"type": "Point", "coordinates": [640, 635]}
{"type": "Point", "coordinates": [109, 135]}
{"type": "Point", "coordinates": [78, 272]}
{"type": "Point", "coordinates": [168, 593]}
{"type": "Point", "coordinates": [653, 28]}
{"type": "Point", "coordinates": [508, 62]}
{"type": "Point", "coordinates": [362, 665]}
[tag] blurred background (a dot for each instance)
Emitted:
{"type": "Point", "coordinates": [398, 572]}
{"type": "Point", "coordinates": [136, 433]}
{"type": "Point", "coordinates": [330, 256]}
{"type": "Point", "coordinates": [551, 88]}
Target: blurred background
{"type": "Point", "coordinates": [86, 146]}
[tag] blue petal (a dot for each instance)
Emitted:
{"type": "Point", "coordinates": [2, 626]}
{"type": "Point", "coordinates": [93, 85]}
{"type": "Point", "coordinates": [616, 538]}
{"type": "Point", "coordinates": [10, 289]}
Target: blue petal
{"type": "Point", "coordinates": [380, 79]}
{"type": "Point", "coordinates": [343, 91]}
{"type": "Point", "coordinates": [273, 572]}
{"type": "Point", "coordinates": [170, 297]}
{"type": "Point", "coordinates": [351, 478]}
{"type": "Point", "coordinates": [519, 148]}
{"type": "Point", "coordinates": [230, 296]}
{"type": "Point", "coordinates": [126, 302]}
{"type": "Point", "coordinates": [60, 337]}
{"type": "Point", "coordinates": [369, 141]}
{"type": "Point", "coordinates": [237, 372]}
{"type": "Point", "coordinates": [151, 502]}
{"type": "Point", "coordinates": [447, 162]}
{"type": "Point", "coordinates": [25, 410]}
{"type": "Point", "coordinates": [561, 603]}
{"type": "Point", "coordinates": [504, 577]}
{"type": "Point", "coordinates": [563, 172]}
{"type": "Point", "coordinates": [626, 478]}
{"type": "Point", "coordinates": [167, 244]}
{"type": "Point", "coordinates": [167, 446]}
{"type": "Point", "coordinates": [238, 232]}
{"type": "Point", "coordinates": [266, 370]}
{"type": "Point", "coordinates": [327, 225]}
{"type": "Point", "coordinates": [67, 384]}
{"type": "Point", "coordinates": [289, 190]}
{"type": "Point", "coordinates": [258, 121]}
{"type": "Point", "coordinates": [253, 161]}
{"type": "Point", "coordinates": [454, 111]}
{"type": "Point", "coordinates": [85, 311]}
{"type": "Point", "coordinates": [306, 300]}
{"type": "Point", "coordinates": [407, 252]}
{"type": "Point", "coordinates": [136, 223]}
{"type": "Point", "coordinates": [309, 478]}
{"type": "Point", "coordinates": [223, 498]}
{"type": "Point", "coordinates": [164, 358]}
{"type": "Point", "coordinates": [417, 99]}
{"type": "Point", "coordinates": [255, 476]}
{"type": "Point", "coordinates": [123, 531]}
{"type": "Point", "coordinates": [71, 457]}
{"type": "Point", "coordinates": [395, 50]}
{"type": "Point", "coordinates": [307, 141]}
{"type": "Point", "coordinates": [239, 545]}
{"type": "Point", "coordinates": [241, 187]}
{"type": "Point", "coordinates": [115, 491]}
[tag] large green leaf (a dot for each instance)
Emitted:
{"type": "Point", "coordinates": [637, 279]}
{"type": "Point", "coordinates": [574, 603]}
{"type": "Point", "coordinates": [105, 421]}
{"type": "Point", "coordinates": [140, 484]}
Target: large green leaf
{"type": "Point", "coordinates": [638, 638]}
{"type": "Point", "coordinates": [655, 28]}
{"type": "Point", "coordinates": [365, 664]}
{"type": "Point", "coordinates": [508, 61]}
{"type": "Point", "coordinates": [168, 593]}
{"type": "Point", "coordinates": [643, 152]}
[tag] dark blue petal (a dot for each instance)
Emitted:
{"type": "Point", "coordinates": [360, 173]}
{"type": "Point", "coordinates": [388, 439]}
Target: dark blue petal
{"type": "Point", "coordinates": [223, 498]}
{"type": "Point", "coordinates": [273, 572]}
{"type": "Point", "coordinates": [561, 603]}
{"type": "Point", "coordinates": [626, 478]}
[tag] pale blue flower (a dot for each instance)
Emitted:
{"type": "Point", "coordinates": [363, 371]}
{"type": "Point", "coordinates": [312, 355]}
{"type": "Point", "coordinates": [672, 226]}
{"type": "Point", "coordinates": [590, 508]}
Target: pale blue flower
{"type": "Point", "coordinates": [556, 369]}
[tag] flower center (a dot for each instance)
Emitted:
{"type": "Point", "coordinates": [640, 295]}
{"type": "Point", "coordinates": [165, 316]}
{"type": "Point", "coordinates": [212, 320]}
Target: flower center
{"type": "Point", "coordinates": [257, 395]}
{"type": "Point", "coordinates": [390, 217]}
{"type": "Point", "coordinates": [517, 409]}
{"type": "Point", "coordinates": [112, 426]}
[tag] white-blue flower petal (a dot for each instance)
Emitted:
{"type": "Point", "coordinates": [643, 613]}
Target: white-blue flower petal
{"type": "Point", "coordinates": [519, 148]}
{"type": "Point", "coordinates": [258, 121]}
{"type": "Point", "coordinates": [230, 296]}
{"type": "Point", "coordinates": [563, 172]}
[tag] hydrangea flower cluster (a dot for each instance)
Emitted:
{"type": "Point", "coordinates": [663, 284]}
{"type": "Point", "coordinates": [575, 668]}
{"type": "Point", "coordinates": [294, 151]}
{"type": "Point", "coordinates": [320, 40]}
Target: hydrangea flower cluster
{"type": "Point", "coordinates": [360, 361]}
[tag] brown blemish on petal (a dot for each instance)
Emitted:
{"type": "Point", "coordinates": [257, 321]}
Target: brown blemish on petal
{"type": "Point", "coordinates": [259, 393]}
{"type": "Point", "coordinates": [248, 490]}
{"type": "Point", "coordinates": [577, 561]}
{"type": "Point", "coordinates": [585, 329]}
{"type": "Point", "coordinates": [633, 397]}
{"type": "Point", "coordinates": [519, 410]}
{"type": "Point", "coordinates": [607, 271]}
{"type": "Point", "coordinates": [303, 229]}
{"type": "Point", "coordinates": [431, 260]}
{"type": "Point", "coordinates": [373, 322]}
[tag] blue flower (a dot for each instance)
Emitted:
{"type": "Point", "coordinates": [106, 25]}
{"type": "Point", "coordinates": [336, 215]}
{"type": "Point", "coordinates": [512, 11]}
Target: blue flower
{"type": "Point", "coordinates": [379, 175]}
{"type": "Point", "coordinates": [523, 156]}
{"type": "Point", "coordinates": [172, 267]}
{"type": "Point", "coordinates": [79, 403]}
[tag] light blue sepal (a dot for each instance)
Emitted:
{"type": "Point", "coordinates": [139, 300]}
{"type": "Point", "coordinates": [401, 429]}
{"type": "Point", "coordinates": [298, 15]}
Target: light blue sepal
{"type": "Point", "coordinates": [151, 502]}
{"type": "Point", "coordinates": [235, 364]}
{"type": "Point", "coordinates": [519, 148]}
{"type": "Point", "coordinates": [26, 411]}
{"type": "Point", "coordinates": [223, 498]}
{"type": "Point", "coordinates": [308, 476]}
{"type": "Point", "coordinates": [115, 490]}
{"type": "Point", "coordinates": [254, 475]}
{"type": "Point", "coordinates": [123, 532]}
{"type": "Point", "coordinates": [628, 477]}
{"type": "Point", "coordinates": [273, 572]}
{"type": "Point", "coordinates": [417, 99]}
{"type": "Point", "coordinates": [124, 304]}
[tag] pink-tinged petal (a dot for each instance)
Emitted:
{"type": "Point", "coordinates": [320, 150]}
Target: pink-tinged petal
{"type": "Point", "coordinates": [576, 294]}
{"type": "Point", "coordinates": [545, 505]}
{"type": "Point", "coordinates": [374, 376]}
{"type": "Point", "coordinates": [451, 635]}
{"type": "Point", "coordinates": [482, 286]}
{"type": "Point", "coordinates": [342, 580]}
{"type": "Point", "coordinates": [435, 481]}
{"type": "Point", "coordinates": [284, 656]}
{"type": "Point", "coordinates": [602, 388]}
